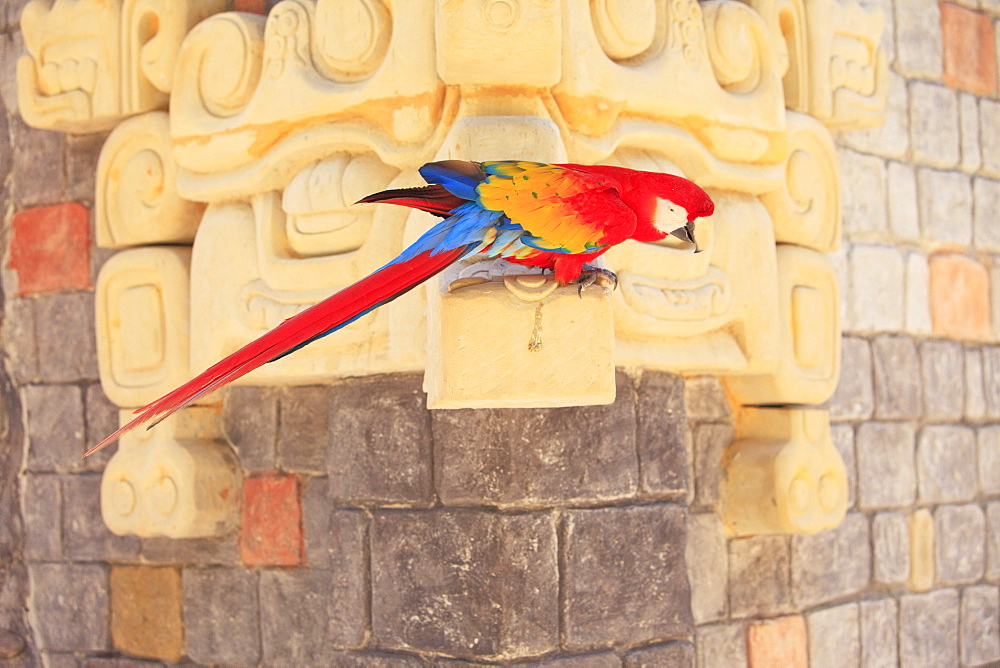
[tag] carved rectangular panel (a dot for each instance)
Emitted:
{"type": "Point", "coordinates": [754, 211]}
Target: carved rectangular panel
{"type": "Point", "coordinates": [142, 303]}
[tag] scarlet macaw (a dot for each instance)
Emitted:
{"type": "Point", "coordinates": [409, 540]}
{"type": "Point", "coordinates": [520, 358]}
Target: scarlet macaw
{"type": "Point", "coordinates": [557, 217]}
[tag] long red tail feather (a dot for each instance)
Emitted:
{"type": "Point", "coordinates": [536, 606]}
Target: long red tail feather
{"type": "Point", "coordinates": [335, 311]}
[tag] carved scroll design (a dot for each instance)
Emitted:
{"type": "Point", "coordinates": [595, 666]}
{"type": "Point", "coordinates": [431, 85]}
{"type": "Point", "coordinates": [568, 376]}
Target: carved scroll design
{"type": "Point", "coordinates": [136, 201]}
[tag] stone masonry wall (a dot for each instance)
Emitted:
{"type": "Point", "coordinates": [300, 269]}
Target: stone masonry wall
{"type": "Point", "coordinates": [910, 577]}
{"type": "Point", "coordinates": [567, 550]}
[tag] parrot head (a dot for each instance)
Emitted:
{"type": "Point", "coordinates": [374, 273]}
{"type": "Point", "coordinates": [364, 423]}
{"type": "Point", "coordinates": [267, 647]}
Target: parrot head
{"type": "Point", "coordinates": [669, 205]}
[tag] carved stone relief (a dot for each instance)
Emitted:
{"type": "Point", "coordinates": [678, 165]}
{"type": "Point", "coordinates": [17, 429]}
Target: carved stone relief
{"type": "Point", "coordinates": [278, 124]}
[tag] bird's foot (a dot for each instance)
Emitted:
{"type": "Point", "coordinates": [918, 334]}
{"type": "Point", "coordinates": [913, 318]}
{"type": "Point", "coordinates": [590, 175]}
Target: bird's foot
{"type": "Point", "coordinates": [596, 277]}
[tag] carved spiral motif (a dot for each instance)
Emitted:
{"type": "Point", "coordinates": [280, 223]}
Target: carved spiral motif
{"type": "Point", "coordinates": [733, 46]}
{"type": "Point", "coordinates": [351, 38]}
{"type": "Point", "coordinates": [686, 29]}
{"type": "Point", "coordinates": [229, 66]}
{"type": "Point", "coordinates": [626, 29]}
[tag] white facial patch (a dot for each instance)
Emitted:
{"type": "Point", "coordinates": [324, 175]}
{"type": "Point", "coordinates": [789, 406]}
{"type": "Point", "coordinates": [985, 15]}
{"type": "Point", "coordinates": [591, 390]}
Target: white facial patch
{"type": "Point", "coordinates": [669, 216]}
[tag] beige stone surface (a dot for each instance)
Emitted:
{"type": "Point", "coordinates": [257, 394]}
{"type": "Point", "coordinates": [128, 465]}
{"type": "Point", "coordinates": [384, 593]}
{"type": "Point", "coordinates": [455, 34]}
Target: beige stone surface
{"type": "Point", "coordinates": [808, 368]}
{"type": "Point", "coordinates": [555, 346]}
{"type": "Point", "coordinates": [142, 315]}
{"type": "Point", "coordinates": [136, 202]}
{"type": "Point", "coordinates": [179, 479]}
{"type": "Point", "coordinates": [782, 474]}
{"type": "Point", "coordinates": [91, 63]}
{"type": "Point", "coordinates": [921, 524]}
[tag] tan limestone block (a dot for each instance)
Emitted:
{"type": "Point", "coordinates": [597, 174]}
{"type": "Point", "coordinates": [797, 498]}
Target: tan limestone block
{"type": "Point", "coordinates": [361, 78]}
{"type": "Point", "coordinates": [782, 474]}
{"type": "Point", "coordinates": [136, 201]}
{"type": "Point", "coordinates": [520, 343]}
{"type": "Point", "coordinates": [711, 312]}
{"type": "Point", "coordinates": [921, 524]}
{"type": "Point", "coordinates": [809, 334]}
{"type": "Point", "coordinates": [146, 612]}
{"type": "Point", "coordinates": [142, 305]}
{"type": "Point", "coordinates": [90, 63]}
{"type": "Point", "coordinates": [179, 479]}
{"type": "Point", "coordinates": [806, 209]}
{"type": "Point", "coordinates": [834, 66]}
{"type": "Point", "coordinates": [707, 71]}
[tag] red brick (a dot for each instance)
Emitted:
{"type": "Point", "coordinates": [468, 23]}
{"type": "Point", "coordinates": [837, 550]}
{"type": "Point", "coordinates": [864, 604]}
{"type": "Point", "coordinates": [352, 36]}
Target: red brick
{"type": "Point", "coordinates": [959, 297]}
{"type": "Point", "coordinates": [778, 643]}
{"type": "Point", "coordinates": [271, 532]}
{"type": "Point", "coordinates": [969, 50]}
{"type": "Point", "coordinates": [251, 6]}
{"type": "Point", "coordinates": [50, 249]}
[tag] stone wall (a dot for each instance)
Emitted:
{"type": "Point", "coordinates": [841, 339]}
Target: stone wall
{"type": "Point", "coordinates": [911, 574]}
{"type": "Point", "coordinates": [569, 549]}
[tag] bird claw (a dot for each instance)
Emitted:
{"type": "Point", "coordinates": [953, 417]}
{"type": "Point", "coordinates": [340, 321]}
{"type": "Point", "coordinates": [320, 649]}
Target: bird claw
{"type": "Point", "coordinates": [599, 278]}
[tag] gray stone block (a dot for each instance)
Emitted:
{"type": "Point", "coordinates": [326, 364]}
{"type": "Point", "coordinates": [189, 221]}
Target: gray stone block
{"type": "Point", "coordinates": [70, 605]}
{"type": "Point", "coordinates": [661, 436]}
{"type": "Point", "coordinates": [876, 279]}
{"type": "Point", "coordinates": [300, 622]}
{"type": "Point", "coordinates": [887, 475]}
{"type": "Point", "coordinates": [55, 427]}
{"type": "Point", "coordinates": [721, 645]}
{"type": "Point", "coordinates": [597, 660]}
{"type": "Point", "coordinates": [942, 365]}
{"type": "Point", "coordinates": [842, 436]}
{"type": "Point", "coordinates": [904, 217]}
{"type": "Point", "coordinates": [102, 419]}
{"type": "Point", "coordinates": [624, 579]}
{"type": "Point", "coordinates": [975, 397]}
{"type": "Point", "coordinates": [466, 583]}
{"type": "Point", "coordinates": [980, 625]}
{"type": "Point", "coordinates": [759, 579]}
{"type": "Point", "coordinates": [542, 456]}
{"type": "Point", "coordinates": [988, 442]}
{"type": "Point", "coordinates": [191, 551]}
{"type": "Point", "coordinates": [304, 431]}
{"type": "Point", "coordinates": [11, 48]}
{"type": "Point", "coordinates": [41, 510]}
{"type": "Point", "coordinates": [37, 174]}
{"type": "Point", "coordinates": [928, 629]}
{"type": "Point", "coordinates": [959, 539]}
{"type": "Point", "coordinates": [897, 378]}
{"type": "Point", "coordinates": [993, 541]}
{"type": "Point", "coordinates": [863, 193]}
{"type": "Point", "coordinates": [220, 615]}
{"type": "Point", "coordinates": [710, 440]}
{"type": "Point", "coordinates": [946, 464]}
{"type": "Point", "coordinates": [834, 637]}
{"type": "Point", "coordinates": [705, 400]}
{"type": "Point", "coordinates": [82, 153]}
{"type": "Point", "coordinates": [61, 358]}
{"type": "Point", "coordinates": [879, 633]}
{"type": "Point", "coordinates": [945, 199]}
{"type": "Point", "coordinates": [671, 655]}
{"type": "Point", "coordinates": [831, 564]}
{"type": "Point", "coordinates": [19, 339]}
{"type": "Point", "coordinates": [250, 423]}
{"type": "Point", "coordinates": [380, 441]}
{"type": "Point", "coordinates": [854, 398]}
{"type": "Point", "coordinates": [934, 127]}
{"type": "Point", "coordinates": [991, 380]}
{"type": "Point", "coordinates": [708, 567]}
{"type": "Point", "coordinates": [85, 537]}
{"type": "Point", "coordinates": [891, 538]}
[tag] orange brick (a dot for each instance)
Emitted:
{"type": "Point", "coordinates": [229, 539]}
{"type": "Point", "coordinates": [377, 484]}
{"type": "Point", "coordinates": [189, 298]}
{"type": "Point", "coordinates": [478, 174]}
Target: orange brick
{"type": "Point", "coordinates": [50, 249]}
{"type": "Point", "coordinates": [959, 297]}
{"type": "Point", "coordinates": [271, 531]}
{"type": "Point", "coordinates": [778, 643]}
{"type": "Point", "coordinates": [146, 617]}
{"type": "Point", "coordinates": [969, 50]}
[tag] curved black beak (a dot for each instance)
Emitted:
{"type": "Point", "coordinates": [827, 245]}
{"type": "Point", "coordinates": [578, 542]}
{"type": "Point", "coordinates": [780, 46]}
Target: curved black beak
{"type": "Point", "coordinates": [687, 234]}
